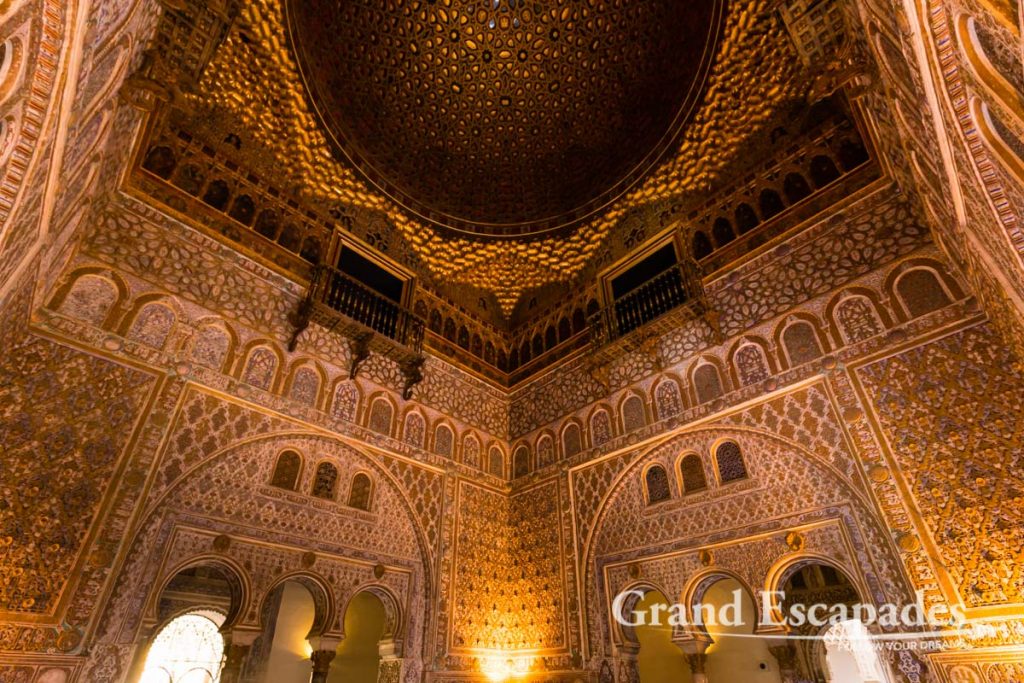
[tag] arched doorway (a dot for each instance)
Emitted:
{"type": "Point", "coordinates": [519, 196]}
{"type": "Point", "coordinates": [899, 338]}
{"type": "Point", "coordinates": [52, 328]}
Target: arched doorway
{"type": "Point", "coordinates": [358, 658]}
{"type": "Point", "coordinates": [282, 652]}
{"type": "Point", "coordinates": [841, 653]}
{"type": "Point", "coordinates": [192, 607]}
{"type": "Point", "coordinates": [735, 654]}
{"type": "Point", "coordinates": [188, 649]}
{"type": "Point", "coordinates": [659, 659]}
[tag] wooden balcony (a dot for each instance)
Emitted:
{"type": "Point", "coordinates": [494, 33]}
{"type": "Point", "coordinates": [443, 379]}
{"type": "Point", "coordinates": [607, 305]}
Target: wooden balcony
{"type": "Point", "coordinates": [661, 304]}
{"type": "Point", "coordinates": [371, 321]}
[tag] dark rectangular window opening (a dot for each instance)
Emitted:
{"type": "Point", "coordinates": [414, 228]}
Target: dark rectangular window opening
{"type": "Point", "coordinates": [648, 289]}
{"type": "Point", "coordinates": [365, 292]}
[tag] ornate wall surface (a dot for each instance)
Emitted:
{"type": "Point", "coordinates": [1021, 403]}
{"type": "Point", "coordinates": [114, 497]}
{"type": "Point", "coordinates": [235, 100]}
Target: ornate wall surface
{"type": "Point", "coordinates": [866, 362]}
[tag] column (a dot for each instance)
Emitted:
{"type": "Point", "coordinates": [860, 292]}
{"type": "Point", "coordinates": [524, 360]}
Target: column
{"type": "Point", "coordinates": [785, 655]}
{"type": "Point", "coordinates": [237, 644]}
{"type": "Point", "coordinates": [694, 646]}
{"type": "Point", "coordinates": [324, 651]}
{"type": "Point", "coordinates": [321, 665]}
{"type": "Point", "coordinates": [697, 661]}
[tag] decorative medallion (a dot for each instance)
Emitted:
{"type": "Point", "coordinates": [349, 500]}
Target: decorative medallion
{"type": "Point", "coordinates": [504, 117]}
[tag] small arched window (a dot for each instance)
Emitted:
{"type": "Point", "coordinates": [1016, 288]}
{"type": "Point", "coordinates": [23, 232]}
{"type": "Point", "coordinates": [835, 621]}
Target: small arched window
{"type": "Point", "coordinates": [691, 470]}
{"type": "Point", "coordinates": [723, 232]}
{"type": "Point", "coordinates": [572, 440]}
{"type": "Point", "coordinates": [286, 471]}
{"type": "Point", "coordinates": [771, 204]}
{"type": "Point", "coordinates": [496, 462]}
{"type": "Point", "coordinates": [471, 452]}
{"type": "Point", "coordinates": [795, 187]}
{"type": "Point", "coordinates": [667, 400]}
{"type": "Point", "coordinates": [414, 430]}
{"type": "Point", "coordinates": [545, 451]}
{"type": "Point", "coordinates": [657, 485]}
{"type": "Point", "coordinates": [729, 461]}
{"type": "Point", "coordinates": [746, 219]}
{"type": "Point", "coordinates": [381, 414]}
{"type": "Point", "coordinates": [243, 209]}
{"type": "Point", "coordinates": [160, 161]}
{"type": "Point", "coordinates": [707, 383]}
{"type": "Point", "coordinates": [633, 415]}
{"type": "Point", "coordinates": [325, 481]}
{"type": "Point", "coordinates": [921, 292]}
{"type": "Point", "coordinates": [801, 343]}
{"type": "Point", "coordinates": [359, 494]}
{"type": "Point", "coordinates": [823, 171]}
{"type": "Point", "coordinates": [443, 441]}
{"type": "Point", "coordinates": [701, 245]}
{"type": "Point", "coordinates": [521, 462]}
{"type": "Point", "coordinates": [217, 195]}
{"type": "Point", "coordinates": [600, 427]}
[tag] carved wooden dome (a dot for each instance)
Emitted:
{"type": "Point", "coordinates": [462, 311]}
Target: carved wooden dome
{"type": "Point", "coordinates": [504, 117]}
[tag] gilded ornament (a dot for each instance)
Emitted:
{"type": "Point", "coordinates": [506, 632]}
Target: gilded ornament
{"type": "Point", "coordinates": [908, 543]}
{"type": "Point", "coordinates": [100, 558]}
{"type": "Point", "coordinates": [308, 559]}
{"type": "Point", "coordinates": [795, 541]}
{"type": "Point", "coordinates": [878, 473]}
{"type": "Point", "coordinates": [706, 558]}
{"type": "Point", "coordinates": [68, 640]}
{"type": "Point", "coordinates": [221, 543]}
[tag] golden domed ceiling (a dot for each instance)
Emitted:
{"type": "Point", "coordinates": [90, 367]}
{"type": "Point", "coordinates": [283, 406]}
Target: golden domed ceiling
{"type": "Point", "coordinates": [504, 117]}
{"type": "Point", "coordinates": [253, 87]}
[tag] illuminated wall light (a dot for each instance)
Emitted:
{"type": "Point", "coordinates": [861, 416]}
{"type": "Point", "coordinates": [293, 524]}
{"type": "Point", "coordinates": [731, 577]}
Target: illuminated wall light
{"type": "Point", "coordinates": [501, 667]}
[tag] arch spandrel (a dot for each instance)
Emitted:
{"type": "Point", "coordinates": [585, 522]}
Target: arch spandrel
{"type": "Point", "coordinates": [682, 540]}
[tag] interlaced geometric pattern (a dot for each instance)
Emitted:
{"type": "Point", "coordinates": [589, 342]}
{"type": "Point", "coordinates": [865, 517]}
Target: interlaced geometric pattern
{"type": "Point", "coordinates": [504, 113]}
{"type": "Point", "coordinates": [950, 412]}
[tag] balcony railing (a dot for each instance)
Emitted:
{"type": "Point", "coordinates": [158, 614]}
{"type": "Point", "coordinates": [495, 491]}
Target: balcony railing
{"type": "Point", "coordinates": [373, 322]}
{"type": "Point", "coordinates": [660, 302]}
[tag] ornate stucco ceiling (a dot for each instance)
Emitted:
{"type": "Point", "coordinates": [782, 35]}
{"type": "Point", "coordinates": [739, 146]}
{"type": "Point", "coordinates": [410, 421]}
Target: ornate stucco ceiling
{"type": "Point", "coordinates": [503, 117]}
{"type": "Point", "coordinates": [254, 79]}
